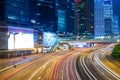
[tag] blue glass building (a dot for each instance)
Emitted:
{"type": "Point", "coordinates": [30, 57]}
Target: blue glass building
{"type": "Point", "coordinates": [115, 28]}
{"type": "Point", "coordinates": [65, 12]}
{"type": "Point", "coordinates": [103, 17]}
{"type": "Point", "coordinates": [108, 17]}
{"type": "Point", "coordinates": [116, 10]}
{"type": "Point", "coordinates": [99, 28]}
{"type": "Point", "coordinates": [46, 15]}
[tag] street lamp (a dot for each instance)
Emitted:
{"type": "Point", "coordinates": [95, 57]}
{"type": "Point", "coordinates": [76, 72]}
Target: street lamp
{"type": "Point", "coordinates": [14, 34]}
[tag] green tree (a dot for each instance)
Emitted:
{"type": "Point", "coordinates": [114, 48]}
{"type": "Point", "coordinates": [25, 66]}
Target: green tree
{"type": "Point", "coordinates": [116, 51]}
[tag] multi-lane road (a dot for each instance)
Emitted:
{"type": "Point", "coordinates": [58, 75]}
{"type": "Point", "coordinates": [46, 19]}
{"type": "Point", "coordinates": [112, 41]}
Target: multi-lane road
{"type": "Point", "coordinates": [76, 64]}
{"type": "Point", "coordinates": [96, 66]}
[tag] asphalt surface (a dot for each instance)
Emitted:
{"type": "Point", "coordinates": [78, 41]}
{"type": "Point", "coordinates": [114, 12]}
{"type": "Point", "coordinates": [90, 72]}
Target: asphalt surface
{"type": "Point", "coordinates": [76, 64]}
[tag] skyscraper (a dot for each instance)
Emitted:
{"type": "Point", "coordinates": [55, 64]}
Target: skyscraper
{"type": "Point", "coordinates": [103, 17]}
{"type": "Point", "coordinates": [84, 21]}
{"type": "Point", "coordinates": [46, 15]}
{"type": "Point", "coordinates": [65, 11]}
{"type": "Point", "coordinates": [116, 10]}
{"type": "Point", "coordinates": [108, 17]}
{"type": "Point", "coordinates": [115, 29]}
{"type": "Point", "coordinates": [99, 28]}
{"type": "Point", "coordinates": [70, 16]}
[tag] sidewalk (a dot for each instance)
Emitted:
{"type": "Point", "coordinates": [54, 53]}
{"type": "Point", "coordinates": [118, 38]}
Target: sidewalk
{"type": "Point", "coordinates": [11, 62]}
{"type": "Point", "coordinates": [8, 63]}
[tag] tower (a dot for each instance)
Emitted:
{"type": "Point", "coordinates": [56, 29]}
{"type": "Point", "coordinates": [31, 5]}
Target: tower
{"type": "Point", "coordinates": [84, 17]}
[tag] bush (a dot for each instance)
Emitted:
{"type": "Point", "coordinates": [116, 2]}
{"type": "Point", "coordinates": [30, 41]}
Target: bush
{"type": "Point", "coordinates": [116, 51]}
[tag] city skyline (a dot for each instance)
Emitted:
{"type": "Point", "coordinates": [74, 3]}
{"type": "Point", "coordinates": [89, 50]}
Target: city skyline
{"type": "Point", "coordinates": [80, 17]}
{"type": "Point", "coordinates": [59, 40]}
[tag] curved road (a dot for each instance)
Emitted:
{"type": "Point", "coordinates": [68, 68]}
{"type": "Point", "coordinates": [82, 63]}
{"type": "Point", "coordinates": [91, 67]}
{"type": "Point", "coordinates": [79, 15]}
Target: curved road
{"type": "Point", "coordinates": [76, 64]}
{"type": "Point", "coordinates": [92, 66]}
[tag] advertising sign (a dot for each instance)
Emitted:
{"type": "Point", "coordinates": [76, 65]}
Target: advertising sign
{"type": "Point", "coordinates": [49, 39]}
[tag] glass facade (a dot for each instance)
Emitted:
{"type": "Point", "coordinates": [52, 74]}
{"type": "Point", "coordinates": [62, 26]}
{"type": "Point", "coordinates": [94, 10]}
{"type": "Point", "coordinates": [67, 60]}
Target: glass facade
{"type": "Point", "coordinates": [99, 28]}
{"type": "Point", "coordinates": [46, 15]}
{"type": "Point", "coordinates": [17, 12]}
{"type": "Point", "coordinates": [116, 8]}
{"type": "Point", "coordinates": [108, 16]}
{"type": "Point", "coordinates": [115, 28]}
{"type": "Point", "coordinates": [67, 7]}
{"type": "Point", "coordinates": [84, 21]}
{"type": "Point", "coordinates": [103, 17]}
{"type": "Point", "coordinates": [61, 21]}
{"type": "Point", "coordinates": [70, 16]}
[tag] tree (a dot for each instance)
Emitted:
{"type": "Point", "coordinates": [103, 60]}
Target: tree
{"type": "Point", "coordinates": [116, 51]}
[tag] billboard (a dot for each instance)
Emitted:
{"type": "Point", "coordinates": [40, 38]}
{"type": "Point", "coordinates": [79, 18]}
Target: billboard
{"type": "Point", "coordinates": [17, 41]}
{"type": "Point", "coordinates": [49, 39]}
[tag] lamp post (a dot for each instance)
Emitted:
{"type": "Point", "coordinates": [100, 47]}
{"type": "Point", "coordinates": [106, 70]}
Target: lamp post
{"type": "Point", "coordinates": [14, 34]}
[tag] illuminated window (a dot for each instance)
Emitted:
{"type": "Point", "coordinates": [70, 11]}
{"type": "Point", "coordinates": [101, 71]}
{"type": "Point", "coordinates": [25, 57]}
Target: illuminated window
{"type": "Point", "coordinates": [33, 21]}
{"type": "Point", "coordinates": [12, 17]}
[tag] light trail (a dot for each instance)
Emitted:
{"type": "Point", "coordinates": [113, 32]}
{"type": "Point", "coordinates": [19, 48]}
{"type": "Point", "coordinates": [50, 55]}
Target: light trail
{"type": "Point", "coordinates": [76, 72]}
{"type": "Point", "coordinates": [85, 68]}
{"type": "Point", "coordinates": [106, 68]}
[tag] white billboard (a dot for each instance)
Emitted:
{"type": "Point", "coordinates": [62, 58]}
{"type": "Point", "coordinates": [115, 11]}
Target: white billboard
{"type": "Point", "coordinates": [17, 41]}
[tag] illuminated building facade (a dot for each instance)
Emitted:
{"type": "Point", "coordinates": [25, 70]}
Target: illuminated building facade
{"type": "Point", "coordinates": [14, 13]}
{"type": "Point", "coordinates": [108, 16]}
{"type": "Point", "coordinates": [89, 18]}
{"type": "Point", "coordinates": [65, 12]}
{"type": "Point", "coordinates": [116, 10]}
{"type": "Point", "coordinates": [84, 21]}
{"type": "Point", "coordinates": [46, 15]}
{"type": "Point", "coordinates": [103, 17]}
{"type": "Point", "coordinates": [115, 29]}
{"type": "Point", "coordinates": [99, 29]}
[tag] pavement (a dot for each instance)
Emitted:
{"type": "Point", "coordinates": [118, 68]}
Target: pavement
{"type": "Point", "coordinates": [8, 63]}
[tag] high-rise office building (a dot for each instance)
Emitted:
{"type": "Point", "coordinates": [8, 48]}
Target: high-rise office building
{"type": "Point", "coordinates": [46, 15]}
{"type": "Point", "coordinates": [99, 28]}
{"type": "Point", "coordinates": [65, 12]}
{"type": "Point", "coordinates": [70, 16]}
{"type": "Point", "coordinates": [89, 18]}
{"type": "Point", "coordinates": [103, 17]}
{"type": "Point", "coordinates": [115, 28]}
{"type": "Point", "coordinates": [15, 12]}
{"type": "Point", "coordinates": [84, 21]}
{"type": "Point", "coordinates": [116, 10]}
{"type": "Point", "coordinates": [108, 17]}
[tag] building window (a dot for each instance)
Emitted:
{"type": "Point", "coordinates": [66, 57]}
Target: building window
{"type": "Point", "coordinates": [12, 17]}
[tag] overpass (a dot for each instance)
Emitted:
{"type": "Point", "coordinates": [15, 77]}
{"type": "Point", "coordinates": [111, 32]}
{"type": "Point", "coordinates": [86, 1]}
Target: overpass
{"type": "Point", "coordinates": [61, 41]}
{"type": "Point", "coordinates": [88, 42]}
{"type": "Point", "coordinates": [92, 40]}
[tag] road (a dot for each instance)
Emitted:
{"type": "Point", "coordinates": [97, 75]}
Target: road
{"type": "Point", "coordinates": [76, 64]}
{"type": "Point", "coordinates": [49, 66]}
{"type": "Point", "coordinates": [94, 65]}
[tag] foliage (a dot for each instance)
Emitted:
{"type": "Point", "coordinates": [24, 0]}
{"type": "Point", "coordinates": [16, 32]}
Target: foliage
{"type": "Point", "coordinates": [116, 51]}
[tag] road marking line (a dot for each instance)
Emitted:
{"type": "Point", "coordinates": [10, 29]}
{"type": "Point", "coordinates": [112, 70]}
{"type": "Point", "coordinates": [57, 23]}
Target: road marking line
{"type": "Point", "coordinates": [106, 68]}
